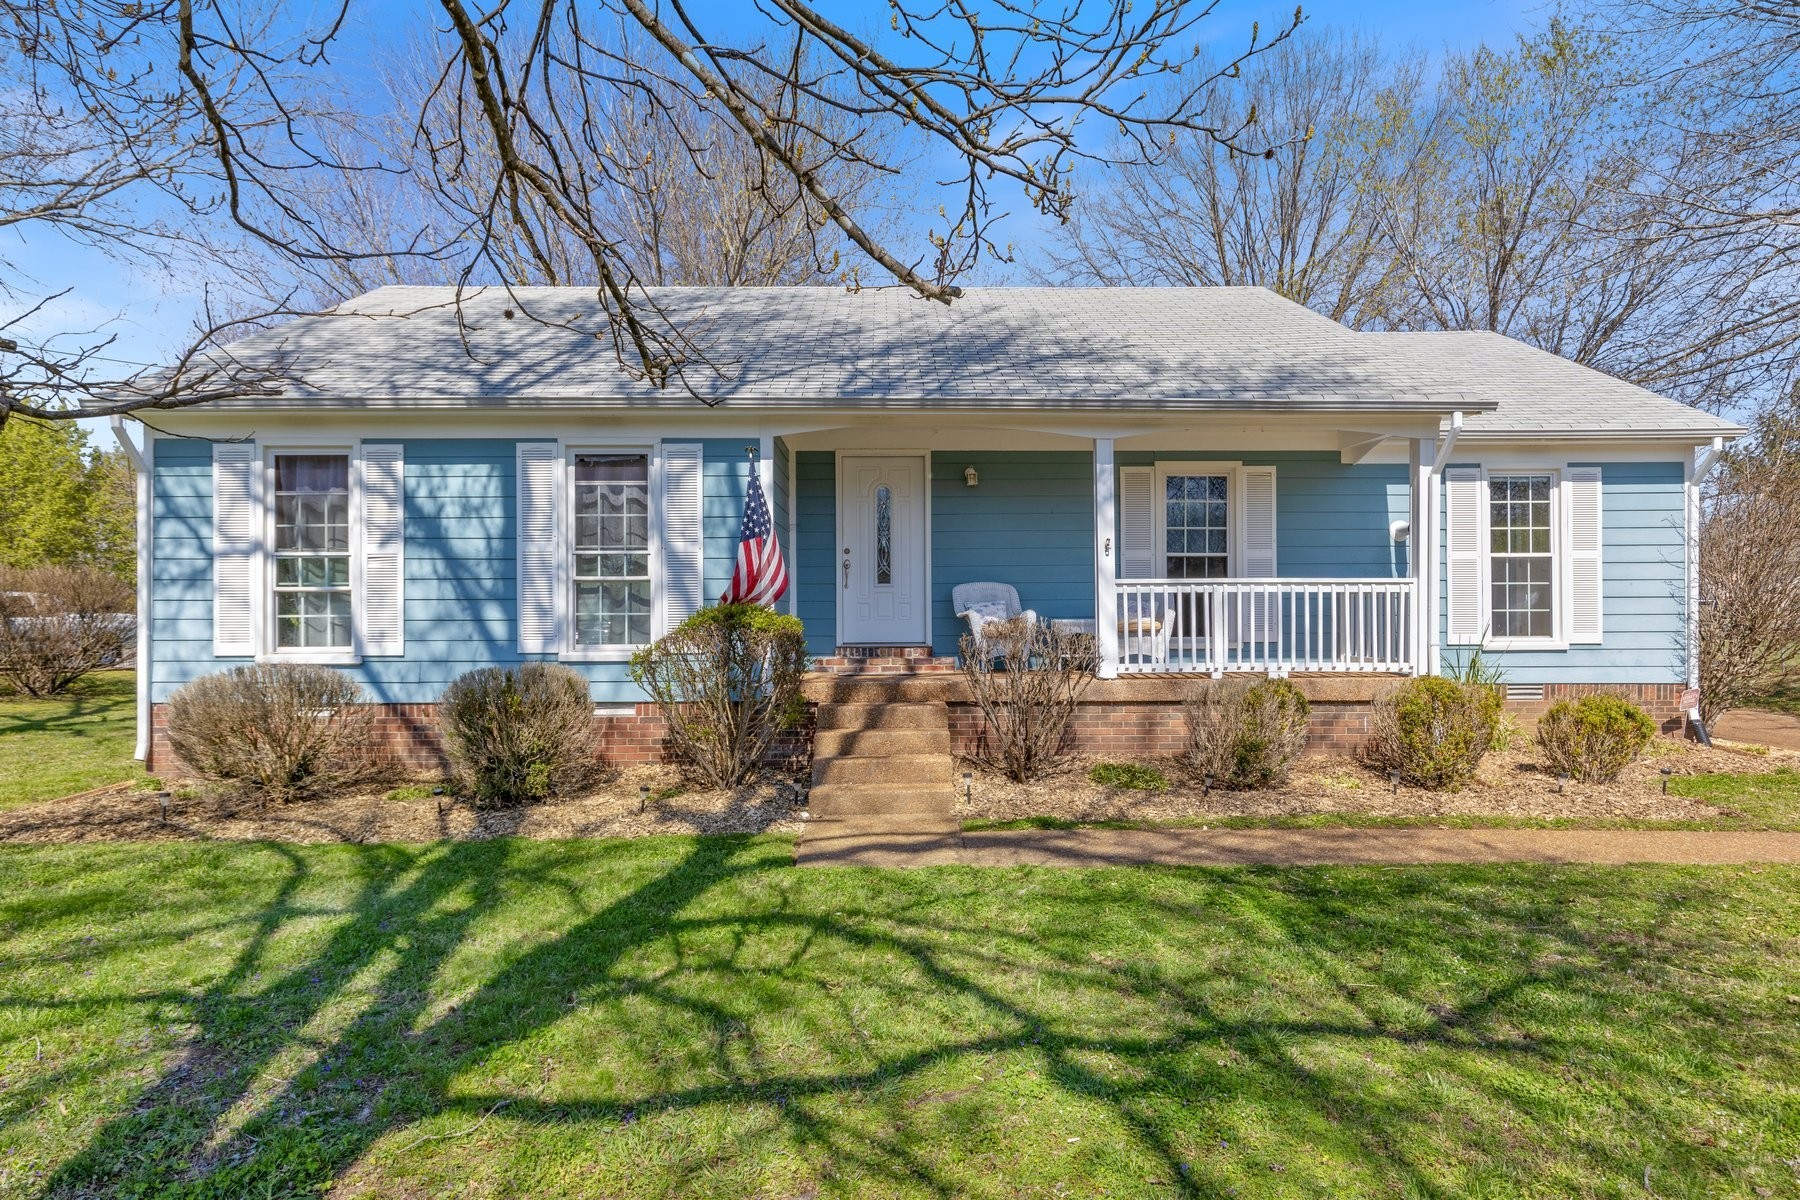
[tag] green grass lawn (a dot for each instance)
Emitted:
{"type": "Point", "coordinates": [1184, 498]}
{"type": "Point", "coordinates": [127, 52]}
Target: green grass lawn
{"type": "Point", "coordinates": [696, 1017]}
{"type": "Point", "coordinates": [1784, 700]}
{"type": "Point", "coordinates": [70, 743]}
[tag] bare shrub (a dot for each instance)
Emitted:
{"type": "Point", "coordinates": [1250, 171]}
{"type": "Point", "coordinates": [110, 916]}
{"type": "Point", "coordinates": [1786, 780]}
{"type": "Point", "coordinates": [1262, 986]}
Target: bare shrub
{"type": "Point", "coordinates": [282, 732]}
{"type": "Point", "coordinates": [1026, 679]}
{"type": "Point", "coordinates": [518, 734]}
{"type": "Point", "coordinates": [727, 681]}
{"type": "Point", "coordinates": [60, 623]}
{"type": "Point", "coordinates": [1749, 562]}
{"type": "Point", "coordinates": [1594, 738]}
{"type": "Point", "coordinates": [1434, 731]}
{"type": "Point", "coordinates": [1245, 733]}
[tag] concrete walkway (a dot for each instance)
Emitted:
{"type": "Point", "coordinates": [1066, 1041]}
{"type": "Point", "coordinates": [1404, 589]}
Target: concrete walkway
{"type": "Point", "coordinates": [859, 844]}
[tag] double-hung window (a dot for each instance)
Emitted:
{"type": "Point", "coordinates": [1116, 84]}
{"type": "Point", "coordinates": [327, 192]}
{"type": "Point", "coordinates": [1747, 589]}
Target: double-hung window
{"type": "Point", "coordinates": [1522, 555]}
{"type": "Point", "coordinates": [1197, 526]}
{"type": "Point", "coordinates": [312, 604]}
{"type": "Point", "coordinates": [611, 550]}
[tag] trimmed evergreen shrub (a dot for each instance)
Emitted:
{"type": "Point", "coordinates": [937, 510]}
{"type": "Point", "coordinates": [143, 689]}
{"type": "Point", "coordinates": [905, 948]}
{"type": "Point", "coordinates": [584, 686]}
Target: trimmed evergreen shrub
{"type": "Point", "coordinates": [1594, 738]}
{"type": "Point", "coordinates": [281, 731]}
{"type": "Point", "coordinates": [727, 681]}
{"type": "Point", "coordinates": [1245, 733]}
{"type": "Point", "coordinates": [518, 734]}
{"type": "Point", "coordinates": [1434, 731]}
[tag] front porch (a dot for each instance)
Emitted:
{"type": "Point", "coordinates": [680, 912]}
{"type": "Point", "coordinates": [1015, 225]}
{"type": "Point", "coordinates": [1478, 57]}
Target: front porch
{"type": "Point", "coordinates": [1187, 550]}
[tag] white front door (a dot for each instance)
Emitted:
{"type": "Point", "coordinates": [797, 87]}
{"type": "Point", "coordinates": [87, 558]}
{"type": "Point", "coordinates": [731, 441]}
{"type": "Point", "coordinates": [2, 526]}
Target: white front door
{"type": "Point", "coordinates": [881, 572]}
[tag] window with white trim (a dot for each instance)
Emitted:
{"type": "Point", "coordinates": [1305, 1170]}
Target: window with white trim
{"type": "Point", "coordinates": [1522, 555]}
{"type": "Point", "coordinates": [1197, 526]}
{"type": "Point", "coordinates": [610, 550]}
{"type": "Point", "coordinates": [311, 579]}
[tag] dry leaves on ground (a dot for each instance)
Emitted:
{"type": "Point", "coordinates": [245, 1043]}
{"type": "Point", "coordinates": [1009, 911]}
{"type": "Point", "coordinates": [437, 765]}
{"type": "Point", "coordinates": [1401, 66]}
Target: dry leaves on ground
{"type": "Point", "coordinates": [1510, 783]}
{"type": "Point", "coordinates": [611, 809]}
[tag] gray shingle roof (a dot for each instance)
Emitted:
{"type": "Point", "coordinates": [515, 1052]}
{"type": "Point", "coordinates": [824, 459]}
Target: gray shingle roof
{"type": "Point", "coordinates": [1202, 348]}
{"type": "Point", "coordinates": [1541, 393]}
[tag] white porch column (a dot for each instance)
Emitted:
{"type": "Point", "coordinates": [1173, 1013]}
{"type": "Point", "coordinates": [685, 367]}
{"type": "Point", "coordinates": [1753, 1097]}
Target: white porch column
{"type": "Point", "coordinates": [1425, 607]}
{"type": "Point", "coordinates": [1429, 549]}
{"type": "Point", "coordinates": [1106, 571]}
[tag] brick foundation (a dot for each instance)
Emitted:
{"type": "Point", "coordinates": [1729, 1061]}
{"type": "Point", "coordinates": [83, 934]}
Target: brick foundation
{"type": "Point", "coordinates": [1158, 728]}
{"type": "Point", "coordinates": [1106, 724]}
{"type": "Point", "coordinates": [405, 741]}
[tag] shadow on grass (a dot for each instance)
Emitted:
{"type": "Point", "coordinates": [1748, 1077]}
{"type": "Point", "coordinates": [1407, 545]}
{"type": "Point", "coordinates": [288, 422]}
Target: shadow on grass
{"type": "Point", "coordinates": [713, 947]}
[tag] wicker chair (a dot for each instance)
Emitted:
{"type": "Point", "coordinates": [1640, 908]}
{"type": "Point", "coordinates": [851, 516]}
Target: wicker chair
{"type": "Point", "coordinates": [981, 604]}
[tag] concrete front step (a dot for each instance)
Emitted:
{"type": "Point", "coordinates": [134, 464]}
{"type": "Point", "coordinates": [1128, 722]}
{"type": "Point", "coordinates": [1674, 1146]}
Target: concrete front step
{"type": "Point", "coordinates": [884, 689]}
{"type": "Point", "coordinates": [894, 823]}
{"type": "Point", "coordinates": [883, 716]}
{"type": "Point", "coordinates": [835, 743]}
{"type": "Point", "coordinates": [898, 770]}
{"type": "Point", "coordinates": [833, 800]}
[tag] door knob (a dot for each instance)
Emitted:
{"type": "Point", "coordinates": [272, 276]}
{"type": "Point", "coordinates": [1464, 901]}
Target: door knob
{"type": "Point", "coordinates": [846, 568]}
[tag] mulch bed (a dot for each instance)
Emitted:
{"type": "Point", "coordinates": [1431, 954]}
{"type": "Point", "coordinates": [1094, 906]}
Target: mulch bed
{"type": "Point", "coordinates": [1510, 784]}
{"type": "Point", "coordinates": [609, 809]}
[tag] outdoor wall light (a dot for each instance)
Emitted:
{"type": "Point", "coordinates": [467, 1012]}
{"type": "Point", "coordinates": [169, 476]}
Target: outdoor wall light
{"type": "Point", "coordinates": [971, 476]}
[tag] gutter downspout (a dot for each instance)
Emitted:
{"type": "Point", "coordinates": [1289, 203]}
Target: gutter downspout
{"type": "Point", "coordinates": [140, 466]}
{"type": "Point", "coordinates": [1698, 469]}
{"type": "Point", "coordinates": [1430, 546]}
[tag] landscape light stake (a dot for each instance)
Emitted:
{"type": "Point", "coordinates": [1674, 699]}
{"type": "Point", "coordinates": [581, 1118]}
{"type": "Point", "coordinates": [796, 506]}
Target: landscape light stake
{"type": "Point", "coordinates": [1562, 781]}
{"type": "Point", "coordinates": [162, 800]}
{"type": "Point", "coordinates": [643, 797]}
{"type": "Point", "coordinates": [1666, 772]}
{"type": "Point", "coordinates": [1206, 786]}
{"type": "Point", "coordinates": [439, 794]}
{"type": "Point", "coordinates": [1394, 782]}
{"type": "Point", "coordinates": [968, 787]}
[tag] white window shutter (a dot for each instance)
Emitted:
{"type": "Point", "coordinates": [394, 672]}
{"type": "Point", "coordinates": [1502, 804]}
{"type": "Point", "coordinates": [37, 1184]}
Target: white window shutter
{"type": "Point", "coordinates": [235, 525]}
{"type": "Point", "coordinates": [683, 541]}
{"type": "Point", "coordinates": [382, 603]}
{"type": "Point", "coordinates": [539, 547]}
{"type": "Point", "coordinates": [1256, 489]}
{"type": "Point", "coordinates": [1585, 599]}
{"type": "Point", "coordinates": [1137, 523]}
{"type": "Point", "coordinates": [1463, 537]}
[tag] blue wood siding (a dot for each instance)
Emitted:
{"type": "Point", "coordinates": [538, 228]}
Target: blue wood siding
{"type": "Point", "coordinates": [1643, 520]}
{"type": "Point", "coordinates": [461, 573]}
{"type": "Point", "coordinates": [1029, 523]}
{"type": "Point", "coordinates": [815, 557]}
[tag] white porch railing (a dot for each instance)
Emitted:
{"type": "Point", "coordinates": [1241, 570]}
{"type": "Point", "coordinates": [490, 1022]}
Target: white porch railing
{"type": "Point", "coordinates": [1264, 625]}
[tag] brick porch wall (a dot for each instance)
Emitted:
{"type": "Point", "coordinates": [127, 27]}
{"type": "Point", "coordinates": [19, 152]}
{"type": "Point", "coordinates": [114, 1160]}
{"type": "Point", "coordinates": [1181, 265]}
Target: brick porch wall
{"type": "Point", "coordinates": [405, 740]}
{"type": "Point", "coordinates": [1156, 729]}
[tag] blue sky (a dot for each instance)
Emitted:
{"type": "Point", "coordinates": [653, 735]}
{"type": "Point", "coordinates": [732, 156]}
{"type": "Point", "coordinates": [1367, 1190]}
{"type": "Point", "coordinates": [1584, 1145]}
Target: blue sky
{"type": "Point", "coordinates": [151, 315]}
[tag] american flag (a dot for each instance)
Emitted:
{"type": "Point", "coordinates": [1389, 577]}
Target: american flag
{"type": "Point", "coordinates": [760, 576]}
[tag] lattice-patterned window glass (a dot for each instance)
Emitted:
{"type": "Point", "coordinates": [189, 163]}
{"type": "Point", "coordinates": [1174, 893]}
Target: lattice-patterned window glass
{"type": "Point", "coordinates": [884, 535]}
{"type": "Point", "coordinates": [612, 549]}
{"type": "Point", "coordinates": [312, 552]}
{"type": "Point", "coordinates": [1196, 526]}
{"type": "Point", "coordinates": [1521, 543]}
